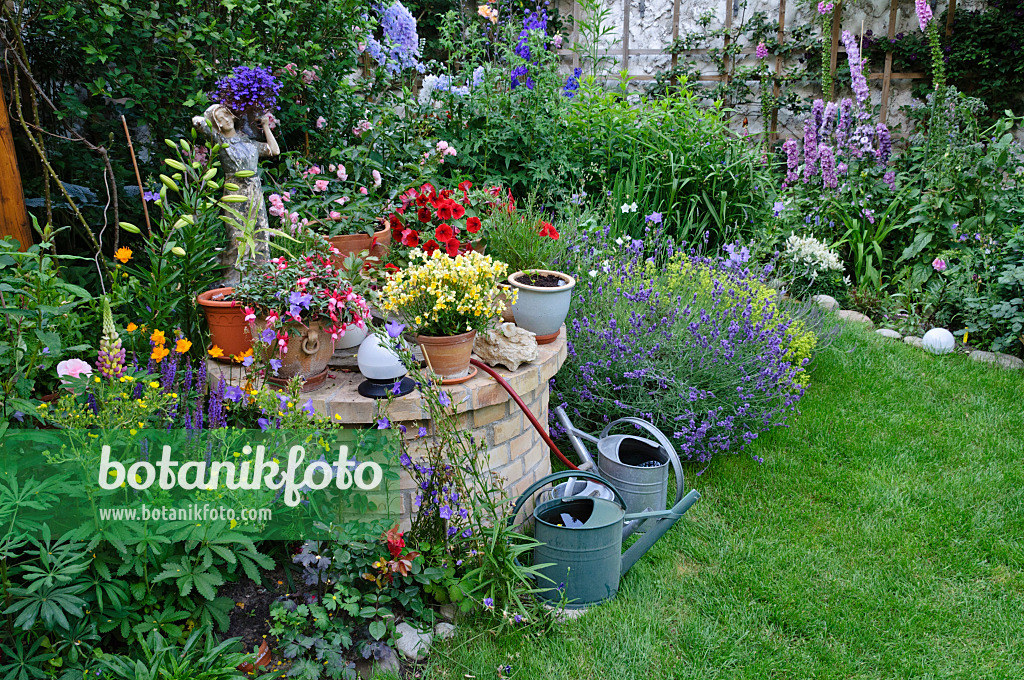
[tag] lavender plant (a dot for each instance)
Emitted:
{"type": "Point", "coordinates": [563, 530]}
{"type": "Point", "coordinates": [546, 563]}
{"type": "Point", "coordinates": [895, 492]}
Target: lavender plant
{"type": "Point", "coordinates": [696, 345]}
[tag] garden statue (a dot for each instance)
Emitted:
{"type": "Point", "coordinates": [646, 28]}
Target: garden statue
{"type": "Point", "coordinates": [240, 153]}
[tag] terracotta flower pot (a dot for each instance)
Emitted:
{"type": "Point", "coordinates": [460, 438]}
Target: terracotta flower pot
{"type": "Point", "coordinates": [262, 659]}
{"type": "Point", "coordinates": [224, 316]}
{"type": "Point", "coordinates": [542, 309]}
{"type": "Point", "coordinates": [448, 356]}
{"type": "Point", "coordinates": [378, 244]}
{"type": "Point", "coordinates": [309, 350]}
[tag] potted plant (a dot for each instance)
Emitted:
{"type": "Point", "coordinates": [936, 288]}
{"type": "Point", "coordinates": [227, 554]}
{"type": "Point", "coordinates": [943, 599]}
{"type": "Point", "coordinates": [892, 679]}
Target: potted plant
{"type": "Point", "coordinates": [298, 308]}
{"type": "Point", "coordinates": [325, 199]}
{"type": "Point", "coordinates": [445, 301]}
{"type": "Point", "coordinates": [529, 244]}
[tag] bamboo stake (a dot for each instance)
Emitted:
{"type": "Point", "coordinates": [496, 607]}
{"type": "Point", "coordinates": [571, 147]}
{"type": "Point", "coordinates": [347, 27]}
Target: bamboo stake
{"type": "Point", "coordinates": [138, 177]}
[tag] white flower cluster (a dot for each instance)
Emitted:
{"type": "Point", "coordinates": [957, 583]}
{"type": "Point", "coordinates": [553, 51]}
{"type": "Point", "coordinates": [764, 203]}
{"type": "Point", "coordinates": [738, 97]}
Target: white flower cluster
{"type": "Point", "coordinates": [811, 254]}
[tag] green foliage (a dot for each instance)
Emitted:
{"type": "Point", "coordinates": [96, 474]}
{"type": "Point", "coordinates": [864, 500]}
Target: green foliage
{"type": "Point", "coordinates": [179, 257]}
{"type": "Point", "coordinates": [200, 657]}
{"type": "Point", "coordinates": [40, 323]}
{"type": "Point", "coordinates": [514, 237]}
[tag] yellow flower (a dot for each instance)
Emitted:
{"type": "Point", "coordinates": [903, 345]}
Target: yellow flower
{"type": "Point", "coordinates": [159, 352]}
{"type": "Point", "coordinates": [182, 346]}
{"type": "Point", "coordinates": [216, 352]}
{"type": "Point", "coordinates": [123, 255]}
{"type": "Point", "coordinates": [154, 384]}
{"type": "Point", "coordinates": [132, 328]}
{"type": "Point", "coordinates": [158, 338]}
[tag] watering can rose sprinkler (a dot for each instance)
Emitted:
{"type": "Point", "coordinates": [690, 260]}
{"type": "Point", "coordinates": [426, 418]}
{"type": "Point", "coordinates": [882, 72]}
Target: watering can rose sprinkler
{"type": "Point", "coordinates": [581, 538]}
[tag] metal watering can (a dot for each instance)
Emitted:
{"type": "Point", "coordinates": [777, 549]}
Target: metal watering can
{"type": "Point", "coordinates": [635, 466]}
{"type": "Point", "coordinates": [580, 538]}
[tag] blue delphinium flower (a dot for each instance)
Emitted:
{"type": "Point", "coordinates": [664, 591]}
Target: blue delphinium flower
{"type": "Point", "coordinates": [248, 90]}
{"type": "Point", "coordinates": [572, 84]}
{"type": "Point", "coordinates": [400, 49]}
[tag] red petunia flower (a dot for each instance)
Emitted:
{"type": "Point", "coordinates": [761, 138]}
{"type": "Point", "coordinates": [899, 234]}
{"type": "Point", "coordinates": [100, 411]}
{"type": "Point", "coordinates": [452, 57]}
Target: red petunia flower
{"type": "Point", "coordinates": [465, 186]}
{"type": "Point", "coordinates": [392, 267]}
{"type": "Point", "coordinates": [395, 222]}
{"type": "Point", "coordinates": [445, 210]}
{"type": "Point", "coordinates": [421, 200]}
{"type": "Point", "coordinates": [410, 238]}
{"type": "Point", "coordinates": [428, 190]}
{"type": "Point", "coordinates": [457, 211]}
{"type": "Point", "coordinates": [444, 233]}
{"type": "Point", "coordinates": [547, 229]}
{"type": "Point", "coordinates": [473, 225]}
{"type": "Point", "coordinates": [453, 247]}
{"type": "Point", "coordinates": [424, 215]}
{"type": "Point", "coordinates": [430, 246]}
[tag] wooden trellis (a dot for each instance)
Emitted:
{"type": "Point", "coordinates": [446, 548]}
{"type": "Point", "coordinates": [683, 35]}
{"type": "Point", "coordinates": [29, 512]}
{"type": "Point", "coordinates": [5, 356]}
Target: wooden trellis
{"type": "Point", "coordinates": [626, 51]}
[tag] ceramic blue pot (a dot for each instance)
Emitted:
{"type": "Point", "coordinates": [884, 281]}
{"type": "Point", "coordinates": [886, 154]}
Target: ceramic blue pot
{"type": "Point", "coordinates": [541, 309]}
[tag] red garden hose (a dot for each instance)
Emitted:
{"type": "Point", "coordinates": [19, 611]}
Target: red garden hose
{"type": "Point", "coordinates": [526, 411]}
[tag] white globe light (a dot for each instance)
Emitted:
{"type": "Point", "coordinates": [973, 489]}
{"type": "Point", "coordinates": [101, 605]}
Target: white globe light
{"type": "Point", "coordinates": [938, 341]}
{"type": "Point", "coordinates": [377, 361]}
{"type": "Point", "coordinates": [383, 370]}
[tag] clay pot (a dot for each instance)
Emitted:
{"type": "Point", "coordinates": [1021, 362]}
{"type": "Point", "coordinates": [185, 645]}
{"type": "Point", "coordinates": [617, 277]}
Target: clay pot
{"type": "Point", "coordinates": [224, 316]}
{"type": "Point", "coordinates": [448, 356]}
{"type": "Point", "coordinates": [378, 244]}
{"type": "Point", "coordinates": [542, 309]}
{"type": "Point", "coordinates": [262, 659]}
{"type": "Point", "coordinates": [309, 350]}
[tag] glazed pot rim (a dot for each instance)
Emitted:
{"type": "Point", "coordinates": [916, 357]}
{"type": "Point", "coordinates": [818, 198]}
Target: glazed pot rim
{"type": "Point", "coordinates": [542, 289]}
{"type": "Point", "coordinates": [204, 298]}
{"type": "Point", "coordinates": [434, 339]}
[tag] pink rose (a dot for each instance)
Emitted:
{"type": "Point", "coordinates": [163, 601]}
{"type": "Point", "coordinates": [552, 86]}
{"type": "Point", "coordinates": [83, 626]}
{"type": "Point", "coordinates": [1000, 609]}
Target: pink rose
{"type": "Point", "coordinates": [376, 178]}
{"type": "Point", "coordinates": [320, 123]}
{"type": "Point", "coordinates": [73, 368]}
{"type": "Point", "coordinates": [342, 173]}
{"type": "Point", "coordinates": [335, 215]}
{"type": "Point", "coordinates": [320, 185]}
{"type": "Point", "coordinates": [363, 190]}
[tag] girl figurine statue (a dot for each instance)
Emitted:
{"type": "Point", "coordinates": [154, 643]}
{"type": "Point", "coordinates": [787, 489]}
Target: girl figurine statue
{"type": "Point", "coordinates": [238, 152]}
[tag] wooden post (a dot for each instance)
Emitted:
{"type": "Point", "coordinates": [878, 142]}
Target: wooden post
{"type": "Point", "coordinates": [949, 17]}
{"type": "Point", "coordinates": [575, 35]}
{"type": "Point", "coordinates": [675, 34]}
{"type": "Point", "coordinates": [13, 217]}
{"type": "Point", "coordinates": [776, 89]}
{"type": "Point", "coordinates": [887, 74]}
{"type": "Point", "coordinates": [626, 5]}
{"type": "Point", "coordinates": [837, 19]}
{"type": "Point", "coordinates": [727, 41]}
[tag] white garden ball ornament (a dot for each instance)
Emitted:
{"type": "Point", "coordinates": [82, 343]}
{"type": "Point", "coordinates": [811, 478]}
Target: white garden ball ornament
{"type": "Point", "coordinates": [938, 341]}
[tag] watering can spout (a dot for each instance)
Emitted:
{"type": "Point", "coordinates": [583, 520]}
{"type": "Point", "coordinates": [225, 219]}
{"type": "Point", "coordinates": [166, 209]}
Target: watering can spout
{"type": "Point", "coordinates": [662, 522]}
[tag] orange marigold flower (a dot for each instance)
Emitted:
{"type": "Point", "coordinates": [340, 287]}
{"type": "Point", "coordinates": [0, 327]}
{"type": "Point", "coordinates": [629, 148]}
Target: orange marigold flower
{"type": "Point", "coordinates": [216, 352]}
{"type": "Point", "coordinates": [158, 338]}
{"type": "Point", "coordinates": [132, 328]}
{"type": "Point", "coordinates": [159, 352]}
{"type": "Point", "coordinates": [183, 346]}
{"type": "Point", "coordinates": [123, 255]}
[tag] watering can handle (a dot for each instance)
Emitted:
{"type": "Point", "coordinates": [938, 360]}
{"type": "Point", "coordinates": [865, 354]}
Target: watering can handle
{"type": "Point", "coordinates": [574, 438]}
{"type": "Point", "coordinates": [677, 465]}
{"type": "Point", "coordinates": [555, 476]}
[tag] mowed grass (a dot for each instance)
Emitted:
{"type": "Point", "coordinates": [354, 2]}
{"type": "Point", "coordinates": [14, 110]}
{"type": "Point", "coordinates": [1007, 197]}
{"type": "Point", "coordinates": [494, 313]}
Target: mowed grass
{"type": "Point", "coordinates": [883, 537]}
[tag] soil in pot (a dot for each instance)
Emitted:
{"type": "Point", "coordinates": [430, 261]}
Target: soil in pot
{"type": "Point", "coordinates": [541, 280]}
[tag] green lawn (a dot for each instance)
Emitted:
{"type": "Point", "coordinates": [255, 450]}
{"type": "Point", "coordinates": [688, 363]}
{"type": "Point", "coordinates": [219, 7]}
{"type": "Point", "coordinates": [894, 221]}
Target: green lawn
{"type": "Point", "coordinates": [883, 537]}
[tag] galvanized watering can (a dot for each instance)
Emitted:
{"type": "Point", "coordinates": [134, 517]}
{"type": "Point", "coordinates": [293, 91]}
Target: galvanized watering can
{"type": "Point", "coordinates": [636, 467]}
{"type": "Point", "coordinates": [581, 539]}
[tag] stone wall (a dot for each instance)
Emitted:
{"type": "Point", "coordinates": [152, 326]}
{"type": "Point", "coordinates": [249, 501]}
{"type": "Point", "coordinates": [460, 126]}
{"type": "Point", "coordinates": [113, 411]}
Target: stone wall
{"type": "Point", "coordinates": [514, 448]}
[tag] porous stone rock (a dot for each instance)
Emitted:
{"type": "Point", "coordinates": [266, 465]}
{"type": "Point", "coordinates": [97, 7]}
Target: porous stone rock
{"type": "Point", "coordinates": [889, 333]}
{"type": "Point", "coordinates": [448, 611]}
{"type": "Point", "coordinates": [997, 358]}
{"type": "Point", "coordinates": [857, 317]}
{"type": "Point", "coordinates": [913, 341]}
{"type": "Point", "coordinates": [443, 631]}
{"type": "Point", "coordinates": [826, 302]}
{"type": "Point", "coordinates": [413, 644]}
{"type": "Point", "coordinates": [507, 345]}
